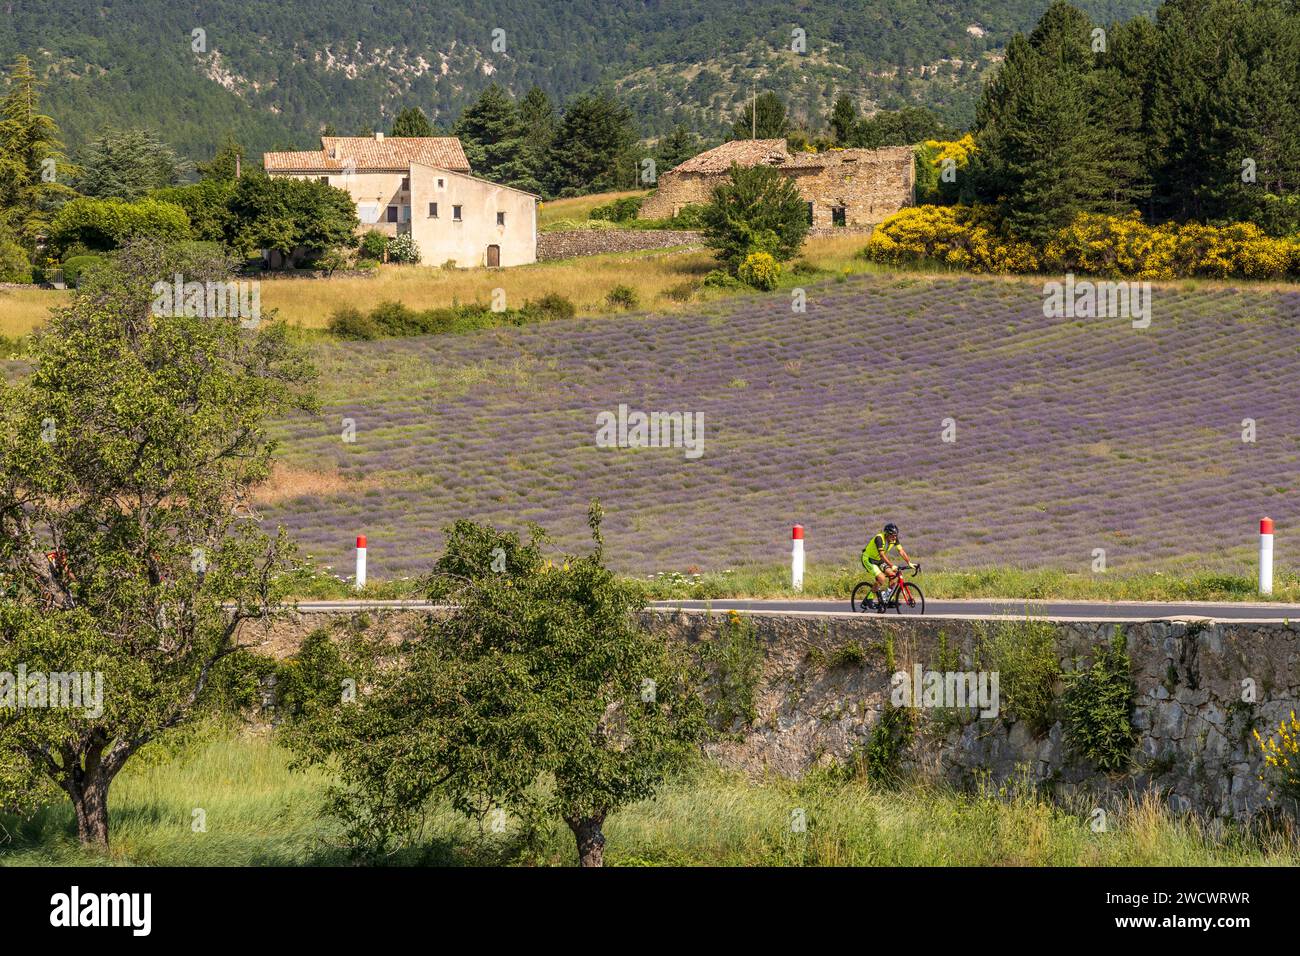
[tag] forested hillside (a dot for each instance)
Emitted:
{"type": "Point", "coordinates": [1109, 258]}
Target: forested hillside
{"type": "Point", "coordinates": [274, 73]}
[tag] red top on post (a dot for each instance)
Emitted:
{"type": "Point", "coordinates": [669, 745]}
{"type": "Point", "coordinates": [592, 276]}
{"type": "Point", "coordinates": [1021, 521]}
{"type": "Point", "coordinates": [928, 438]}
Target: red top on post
{"type": "Point", "coordinates": [1265, 525]}
{"type": "Point", "coordinates": [798, 533]}
{"type": "Point", "coordinates": [361, 541]}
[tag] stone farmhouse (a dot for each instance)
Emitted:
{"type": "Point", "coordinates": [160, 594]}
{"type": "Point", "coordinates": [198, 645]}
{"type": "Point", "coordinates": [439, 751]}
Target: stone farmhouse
{"type": "Point", "coordinates": [851, 188]}
{"type": "Point", "coordinates": [422, 186]}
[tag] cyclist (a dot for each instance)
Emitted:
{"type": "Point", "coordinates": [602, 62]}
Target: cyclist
{"type": "Point", "coordinates": [875, 558]}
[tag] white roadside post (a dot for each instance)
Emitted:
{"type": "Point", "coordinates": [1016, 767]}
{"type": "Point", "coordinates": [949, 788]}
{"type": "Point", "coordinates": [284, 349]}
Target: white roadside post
{"type": "Point", "coordinates": [796, 559]}
{"type": "Point", "coordinates": [1266, 556]}
{"type": "Point", "coordinates": [361, 561]}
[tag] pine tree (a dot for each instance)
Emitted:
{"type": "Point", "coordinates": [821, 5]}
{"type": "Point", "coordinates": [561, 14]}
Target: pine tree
{"type": "Point", "coordinates": [675, 148]}
{"type": "Point", "coordinates": [492, 134]}
{"type": "Point", "coordinates": [537, 114]}
{"type": "Point", "coordinates": [844, 115]}
{"type": "Point", "coordinates": [33, 168]}
{"type": "Point", "coordinates": [772, 122]}
{"type": "Point", "coordinates": [126, 164]}
{"type": "Point", "coordinates": [411, 121]}
{"type": "Point", "coordinates": [593, 146]}
{"type": "Point", "coordinates": [1225, 81]}
{"type": "Point", "coordinates": [1044, 134]}
{"type": "Point", "coordinates": [229, 163]}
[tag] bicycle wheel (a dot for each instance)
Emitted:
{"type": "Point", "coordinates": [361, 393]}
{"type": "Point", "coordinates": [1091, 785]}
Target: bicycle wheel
{"type": "Point", "coordinates": [916, 604]}
{"type": "Point", "coordinates": [864, 599]}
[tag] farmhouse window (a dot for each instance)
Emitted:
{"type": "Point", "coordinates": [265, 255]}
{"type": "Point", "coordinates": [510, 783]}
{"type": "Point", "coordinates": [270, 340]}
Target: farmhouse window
{"type": "Point", "coordinates": [442, 183]}
{"type": "Point", "coordinates": [501, 219]}
{"type": "Point", "coordinates": [406, 183]}
{"type": "Point", "coordinates": [455, 213]}
{"type": "Point", "coordinates": [392, 214]}
{"type": "Point", "coordinates": [838, 216]}
{"type": "Point", "coordinates": [810, 213]}
{"type": "Point", "coordinates": [325, 180]}
{"type": "Point", "coordinates": [433, 210]}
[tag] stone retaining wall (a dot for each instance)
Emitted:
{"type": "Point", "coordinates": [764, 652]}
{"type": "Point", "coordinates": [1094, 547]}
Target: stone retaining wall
{"type": "Point", "coordinates": [593, 242]}
{"type": "Point", "coordinates": [817, 704]}
{"type": "Point", "coordinates": [1193, 742]}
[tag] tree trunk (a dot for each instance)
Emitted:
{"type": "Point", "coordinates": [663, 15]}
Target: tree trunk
{"type": "Point", "coordinates": [591, 841]}
{"type": "Point", "coordinates": [90, 801]}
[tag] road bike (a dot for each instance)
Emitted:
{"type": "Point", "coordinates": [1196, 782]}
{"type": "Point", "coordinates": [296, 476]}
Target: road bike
{"type": "Point", "coordinates": [900, 595]}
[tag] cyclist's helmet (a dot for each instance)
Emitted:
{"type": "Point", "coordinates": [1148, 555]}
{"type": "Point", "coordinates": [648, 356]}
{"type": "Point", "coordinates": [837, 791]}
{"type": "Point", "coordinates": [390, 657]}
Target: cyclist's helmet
{"type": "Point", "coordinates": [891, 528]}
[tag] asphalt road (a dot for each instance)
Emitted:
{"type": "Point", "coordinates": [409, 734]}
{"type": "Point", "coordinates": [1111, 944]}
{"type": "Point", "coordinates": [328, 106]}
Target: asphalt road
{"type": "Point", "coordinates": [980, 609]}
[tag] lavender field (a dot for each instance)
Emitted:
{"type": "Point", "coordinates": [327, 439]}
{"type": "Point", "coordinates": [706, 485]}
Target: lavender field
{"type": "Point", "coordinates": [1070, 434]}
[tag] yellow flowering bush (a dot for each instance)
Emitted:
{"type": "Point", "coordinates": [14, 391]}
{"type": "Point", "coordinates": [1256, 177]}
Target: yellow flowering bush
{"type": "Point", "coordinates": [1094, 244]}
{"type": "Point", "coordinates": [1112, 246]}
{"type": "Point", "coordinates": [930, 157]}
{"type": "Point", "coordinates": [760, 270]}
{"type": "Point", "coordinates": [1282, 758]}
{"type": "Point", "coordinates": [956, 236]}
{"type": "Point", "coordinates": [1241, 249]}
{"type": "Point", "coordinates": [960, 150]}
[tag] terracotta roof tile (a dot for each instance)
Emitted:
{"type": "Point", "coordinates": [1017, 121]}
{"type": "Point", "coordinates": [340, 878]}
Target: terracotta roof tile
{"type": "Point", "coordinates": [773, 152]}
{"type": "Point", "coordinates": [743, 152]}
{"type": "Point", "coordinates": [367, 152]}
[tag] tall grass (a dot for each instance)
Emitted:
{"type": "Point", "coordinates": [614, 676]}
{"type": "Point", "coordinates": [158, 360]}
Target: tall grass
{"type": "Point", "coordinates": [1179, 581]}
{"type": "Point", "coordinates": [258, 812]}
{"type": "Point", "coordinates": [579, 207]}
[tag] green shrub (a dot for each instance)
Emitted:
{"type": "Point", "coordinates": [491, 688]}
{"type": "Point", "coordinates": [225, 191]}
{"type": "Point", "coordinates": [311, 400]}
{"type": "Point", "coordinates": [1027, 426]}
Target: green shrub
{"type": "Point", "coordinates": [848, 654]}
{"type": "Point", "coordinates": [757, 210]}
{"type": "Point", "coordinates": [394, 318]}
{"type": "Point", "coordinates": [735, 657]}
{"type": "Point", "coordinates": [689, 217]}
{"type": "Point", "coordinates": [622, 297]}
{"type": "Point", "coordinates": [74, 267]}
{"type": "Point", "coordinates": [760, 270]}
{"type": "Point", "coordinates": [101, 225]}
{"type": "Point", "coordinates": [721, 279]}
{"type": "Point", "coordinates": [1024, 655]}
{"type": "Point", "coordinates": [332, 261]}
{"type": "Point", "coordinates": [373, 245]}
{"type": "Point", "coordinates": [1097, 705]}
{"type": "Point", "coordinates": [347, 322]}
{"type": "Point", "coordinates": [682, 292]}
{"type": "Point", "coordinates": [14, 264]}
{"type": "Point", "coordinates": [891, 738]}
{"type": "Point", "coordinates": [550, 306]}
{"type": "Point", "coordinates": [620, 210]}
{"type": "Point", "coordinates": [403, 249]}
{"type": "Point", "coordinates": [369, 265]}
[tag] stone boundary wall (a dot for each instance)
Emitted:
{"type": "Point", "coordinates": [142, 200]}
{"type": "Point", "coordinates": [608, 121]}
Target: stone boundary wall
{"type": "Point", "coordinates": [567, 244]}
{"type": "Point", "coordinates": [1194, 745]}
{"type": "Point", "coordinates": [1193, 731]}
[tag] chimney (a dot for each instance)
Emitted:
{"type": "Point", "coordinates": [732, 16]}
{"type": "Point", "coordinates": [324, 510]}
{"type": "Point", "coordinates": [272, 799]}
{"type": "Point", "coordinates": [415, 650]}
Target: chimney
{"type": "Point", "coordinates": [379, 137]}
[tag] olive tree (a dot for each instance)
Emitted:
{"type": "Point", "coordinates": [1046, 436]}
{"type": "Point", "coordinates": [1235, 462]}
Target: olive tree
{"type": "Point", "coordinates": [537, 692]}
{"type": "Point", "coordinates": [128, 554]}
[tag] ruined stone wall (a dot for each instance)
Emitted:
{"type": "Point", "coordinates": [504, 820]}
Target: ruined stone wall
{"type": "Point", "coordinates": [871, 185]}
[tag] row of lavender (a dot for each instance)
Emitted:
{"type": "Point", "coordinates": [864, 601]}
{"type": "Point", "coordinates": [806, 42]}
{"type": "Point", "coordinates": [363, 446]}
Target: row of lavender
{"type": "Point", "coordinates": [990, 433]}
